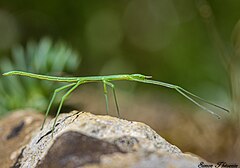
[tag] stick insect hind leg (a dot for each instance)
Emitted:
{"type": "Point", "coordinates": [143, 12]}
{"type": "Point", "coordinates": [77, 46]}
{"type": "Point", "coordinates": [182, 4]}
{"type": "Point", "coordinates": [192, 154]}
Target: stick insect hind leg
{"type": "Point", "coordinates": [51, 101]}
{"type": "Point", "coordinates": [63, 99]}
{"type": "Point", "coordinates": [115, 96]}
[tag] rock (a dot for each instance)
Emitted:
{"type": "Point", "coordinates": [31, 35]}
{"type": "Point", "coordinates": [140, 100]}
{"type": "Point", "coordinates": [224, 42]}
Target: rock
{"type": "Point", "coordinates": [82, 139]}
{"type": "Point", "coordinates": [147, 160]}
{"type": "Point", "coordinates": [16, 131]}
{"type": "Point", "coordinates": [79, 149]}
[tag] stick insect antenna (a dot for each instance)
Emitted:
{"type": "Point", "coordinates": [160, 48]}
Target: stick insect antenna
{"type": "Point", "coordinates": [185, 93]}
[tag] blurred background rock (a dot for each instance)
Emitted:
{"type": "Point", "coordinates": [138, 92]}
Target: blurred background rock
{"type": "Point", "coordinates": [191, 43]}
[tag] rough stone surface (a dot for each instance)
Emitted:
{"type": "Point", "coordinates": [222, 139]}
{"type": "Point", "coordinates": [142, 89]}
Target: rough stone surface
{"type": "Point", "coordinates": [79, 149]}
{"type": "Point", "coordinates": [16, 131]}
{"type": "Point", "coordinates": [146, 160]}
{"type": "Point", "coordinates": [82, 139]}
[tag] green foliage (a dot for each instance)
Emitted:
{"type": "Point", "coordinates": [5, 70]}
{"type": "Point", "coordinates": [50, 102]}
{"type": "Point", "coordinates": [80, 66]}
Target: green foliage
{"type": "Point", "coordinates": [44, 57]}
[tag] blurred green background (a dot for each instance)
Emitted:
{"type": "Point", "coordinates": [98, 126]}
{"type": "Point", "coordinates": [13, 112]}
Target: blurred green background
{"type": "Point", "coordinates": [165, 39]}
{"type": "Point", "coordinates": [187, 43]}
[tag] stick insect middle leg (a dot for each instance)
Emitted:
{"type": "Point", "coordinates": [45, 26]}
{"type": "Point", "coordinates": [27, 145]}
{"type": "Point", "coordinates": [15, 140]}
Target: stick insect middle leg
{"type": "Point", "coordinates": [53, 97]}
{"type": "Point", "coordinates": [106, 96]}
{"type": "Point", "coordinates": [115, 96]}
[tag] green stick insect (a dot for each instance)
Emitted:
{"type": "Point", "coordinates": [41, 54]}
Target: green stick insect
{"type": "Point", "coordinates": [74, 82]}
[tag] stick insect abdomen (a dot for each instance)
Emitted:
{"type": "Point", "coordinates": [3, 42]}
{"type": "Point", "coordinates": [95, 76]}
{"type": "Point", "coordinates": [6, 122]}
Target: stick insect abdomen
{"type": "Point", "coordinates": [42, 77]}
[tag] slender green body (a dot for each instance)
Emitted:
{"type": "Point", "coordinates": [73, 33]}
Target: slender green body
{"type": "Point", "coordinates": [75, 79]}
{"type": "Point", "coordinates": [74, 82]}
{"type": "Point", "coordinates": [43, 77]}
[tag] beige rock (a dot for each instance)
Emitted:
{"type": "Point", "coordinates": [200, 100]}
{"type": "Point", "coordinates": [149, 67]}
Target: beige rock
{"type": "Point", "coordinates": [84, 139]}
{"type": "Point", "coordinates": [147, 160]}
{"type": "Point", "coordinates": [16, 131]}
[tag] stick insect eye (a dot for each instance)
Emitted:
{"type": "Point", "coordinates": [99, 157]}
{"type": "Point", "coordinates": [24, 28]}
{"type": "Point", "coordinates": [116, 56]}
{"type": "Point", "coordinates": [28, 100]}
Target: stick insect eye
{"type": "Point", "coordinates": [140, 76]}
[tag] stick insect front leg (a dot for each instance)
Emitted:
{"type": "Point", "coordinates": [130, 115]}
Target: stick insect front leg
{"type": "Point", "coordinates": [114, 94]}
{"type": "Point", "coordinates": [203, 100]}
{"type": "Point", "coordinates": [62, 101]}
{"type": "Point", "coordinates": [53, 97]}
{"type": "Point", "coordinates": [178, 89]}
{"type": "Point", "coordinates": [186, 94]}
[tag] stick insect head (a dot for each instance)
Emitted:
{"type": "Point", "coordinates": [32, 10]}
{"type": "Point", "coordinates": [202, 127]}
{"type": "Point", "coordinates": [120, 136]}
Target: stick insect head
{"type": "Point", "coordinates": [140, 76]}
